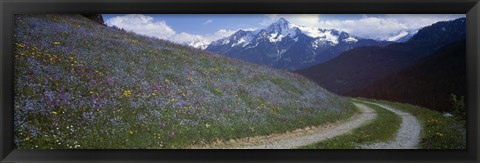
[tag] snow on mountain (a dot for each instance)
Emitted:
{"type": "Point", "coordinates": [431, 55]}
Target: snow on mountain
{"type": "Point", "coordinates": [289, 46]}
{"type": "Point", "coordinates": [277, 31]}
{"type": "Point", "coordinates": [408, 36]}
{"type": "Point", "coordinates": [274, 33]}
{"type": "Point", "coordinates": [321, 34]}
{"type": "Point", "coordinates": [400, 35]}
{"type": "Point", "coordinates": [403, 36]}
{"type": "Point", "coordinates": [202, 44]}
{"type": "Point", "coordinates": [350, 39]}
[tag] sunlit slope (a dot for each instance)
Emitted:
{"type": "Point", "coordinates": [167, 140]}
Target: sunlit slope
{"type": "Point", "coordinates": [79, 84]}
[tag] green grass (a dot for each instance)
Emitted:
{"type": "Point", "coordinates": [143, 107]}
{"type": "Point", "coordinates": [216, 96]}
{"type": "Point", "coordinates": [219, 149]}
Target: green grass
{"type": "Point", "coordinates": [382, 128]}
{"type": "Point", "coordinates": [438, 132]}
{"type": "Point", "coordinates": [79, 84]}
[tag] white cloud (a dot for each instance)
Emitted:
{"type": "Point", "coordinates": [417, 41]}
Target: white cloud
{"type": "Point", "coordinates": [375, 27]}
{"type": "Point", "coordinates": [146, 25]}
{"type": "Point", "coordinates": [184, 37]}
{"type": "Point", "coordinates": [207, 38]}
{"type": "Point", "coordinates": [385, 26]}
{"type": "Point", "coordinates": [208, 21]}
{"type": "Point", "coordinates": [222, 33]}
{"type": "Point", "coordinates": [368, 26]}
{"type": "Point", "coordinates": [142, 24]}
{"type": "Point", "coordinates": [418, 21]}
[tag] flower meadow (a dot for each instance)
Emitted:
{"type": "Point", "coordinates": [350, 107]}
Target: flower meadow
{"type": "Point", "coordinates": [83, 85]}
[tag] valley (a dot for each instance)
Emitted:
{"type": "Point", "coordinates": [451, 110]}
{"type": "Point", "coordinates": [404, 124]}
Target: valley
{"type": "Point", "coordinates": [80, 84]}
{"type": "Point", "coordinates": [426, 70]}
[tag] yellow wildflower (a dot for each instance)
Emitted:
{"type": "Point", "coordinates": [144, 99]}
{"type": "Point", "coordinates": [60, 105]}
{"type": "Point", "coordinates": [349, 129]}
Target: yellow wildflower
{"type": "Point", "coordinates": [53, 112]}
{"type": "Point", "coordinates": [127, 93]}
{"type": "Point", "coordinates": [20, 45]}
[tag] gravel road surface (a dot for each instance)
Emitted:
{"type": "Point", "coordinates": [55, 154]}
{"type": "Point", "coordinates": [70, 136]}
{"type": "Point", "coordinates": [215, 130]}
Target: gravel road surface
{"type": "Point", "coordinates": [408, 136]}
{"type": "Point", "coordinates": [321, 133]}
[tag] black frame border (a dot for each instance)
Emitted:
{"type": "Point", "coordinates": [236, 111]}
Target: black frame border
{"type": "Point", "coordinates": [10, 7]}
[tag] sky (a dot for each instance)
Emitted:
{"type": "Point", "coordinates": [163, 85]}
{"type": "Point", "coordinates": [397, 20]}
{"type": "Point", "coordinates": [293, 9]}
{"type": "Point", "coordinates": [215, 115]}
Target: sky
{"type": "Point", "coordinates": [183, 28]}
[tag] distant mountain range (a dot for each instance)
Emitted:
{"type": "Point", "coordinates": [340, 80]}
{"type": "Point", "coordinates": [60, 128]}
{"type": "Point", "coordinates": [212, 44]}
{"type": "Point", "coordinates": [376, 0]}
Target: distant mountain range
{"type": "Point", "coordinates": [197, 43]}
{"type": "Point", "coordinates": [366, 68]}
{"type": "Point", "coordinates": [421, 66]}
{"type": "Point", "coordinates": [288, 46]}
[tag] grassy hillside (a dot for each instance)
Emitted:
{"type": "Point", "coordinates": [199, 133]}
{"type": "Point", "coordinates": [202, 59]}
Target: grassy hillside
{"type": "Point", "coordinates": [79, 84]}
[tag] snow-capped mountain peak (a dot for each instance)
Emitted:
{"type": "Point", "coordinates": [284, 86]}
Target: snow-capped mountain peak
{"type": "Point", "coordinates": [286, 45]}
{"type": "Point", "coordinates": [280, 26]}
{"type": "Point", "coordinates": [282, 21]}
{"type": "Point", "coordinates": [280, 29]}
{"type": "Point", "coordinates": [275, 32]}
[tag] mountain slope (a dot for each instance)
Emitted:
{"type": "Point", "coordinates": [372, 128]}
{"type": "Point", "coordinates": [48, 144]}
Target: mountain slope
{"type": "Point", "coordinates": [288, 46]}
{"type": "Point", "coordinates": [79, 84]}
{"type": "Point", "coordinates": [362, 66]}
{"type": "Point", "coordinates": [429, 82]}
{"type": "Point", "coordinates": [403, 36]}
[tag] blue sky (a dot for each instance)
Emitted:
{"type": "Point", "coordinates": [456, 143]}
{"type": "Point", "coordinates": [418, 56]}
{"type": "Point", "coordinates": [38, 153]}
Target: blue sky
{"type": "Point", "coordinates": [209, 27]}
{"type": "Point", "coordinates": [203, 23]}
{"type": "Point", "coordinates": [210, 23]}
